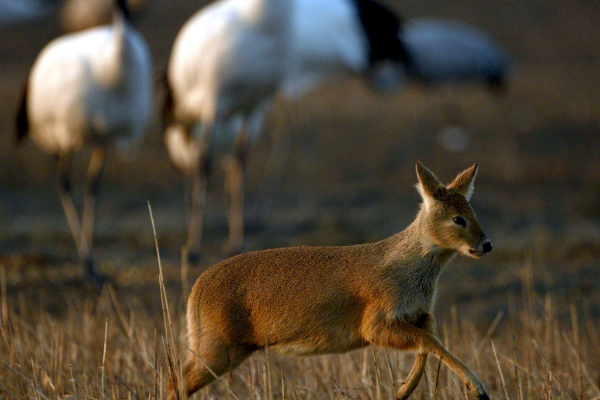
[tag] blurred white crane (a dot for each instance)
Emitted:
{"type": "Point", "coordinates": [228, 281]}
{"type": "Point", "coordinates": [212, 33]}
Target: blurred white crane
{"type": "Point", "coordinates": [226, 62]}
{"type": "Point", "coordinates": [338, 37]}
{"type": "Point", "coordinates": [448, 51]}
{"type": "Point", "coordinates": [367, 39]}
{"type": "Point", "coordinates": [218, 70]}
{"type": "Point", "coordinates": [18, 11]}
{"type": "Point", "coordinates": [230, 59]}
{"type": "Point", "coordinates": [93, 87]}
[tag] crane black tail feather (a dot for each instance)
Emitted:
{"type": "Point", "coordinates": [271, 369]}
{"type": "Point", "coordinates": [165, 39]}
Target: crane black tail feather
{"type": "Point", "coordinates": [22, 116]}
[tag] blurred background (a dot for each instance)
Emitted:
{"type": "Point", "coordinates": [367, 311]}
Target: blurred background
{"type": "Point", "coordinates": [350, 174]}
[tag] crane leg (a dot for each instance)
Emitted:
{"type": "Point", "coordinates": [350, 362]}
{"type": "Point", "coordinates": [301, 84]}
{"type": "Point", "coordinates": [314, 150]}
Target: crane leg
{"type": "Point", "coordinates": [65, 193]}
{"type": "Point", "coordinates": [197, 201]}
{"type": "Point", "coordinates": [235, 188]}
{"type": "Point", "coordinates": [198, 196]}
{"type": "Point", "coordinates": [297, 132]}
{"type": "Point", "coordinates": [277, 158]}
{"type": "Point", "coordinates": [89, 210]}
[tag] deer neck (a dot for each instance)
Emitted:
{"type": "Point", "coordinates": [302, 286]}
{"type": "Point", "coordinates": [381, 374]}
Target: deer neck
{"type": "Point", "coordinates": [412, 264]}
{"type": "Point", "coordinates": [414, 249]}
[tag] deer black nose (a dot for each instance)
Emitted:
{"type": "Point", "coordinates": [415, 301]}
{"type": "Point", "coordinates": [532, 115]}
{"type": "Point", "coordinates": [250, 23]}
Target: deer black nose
{"type": "Point", "coordinates": [487, 246]}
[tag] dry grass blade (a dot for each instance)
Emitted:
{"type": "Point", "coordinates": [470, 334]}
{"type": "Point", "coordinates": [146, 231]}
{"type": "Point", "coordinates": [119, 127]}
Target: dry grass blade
{"type": "Point", "coordinates": [73, 381]}
{"type": "Point", "coordinates": [174, 364]}
{"type": "Point", "coordinates": [377, 379]}
{"type": "Point", "coordinates": [585, 370]}
{"type": "Point", "coordinates": [575, 324]}
{"type": "Point", "coordinates": [155, 366]}
{"type": "Point", "coordinates": [391, 371]}
{"type": "Point", "coordinates": [185, 289]}
{"type": "Point", "coordinates": [437, 379]}
{"type": "Point", "coordinates": [500, 370]}
{"type": "Point", "coordinates": [549, 368]}
{"type": "Point", "coordinates": [171, 368]}
{"type": "Point", "coordinates": [488, 334]}
{"type": "Point", "coordinates": [103, 360]}
{"type": "Point", "coordinates": [8, 346]}
{"type": "Point", "coordinates": [162, 282]}
{"type": "Point", "coordinates": [269, 387]}
{"type": "Point", "coordinates": [117, 377]}
{"type": "Point", "coordinates": [282, 383]}
{"type": "Point", "coordinates": [35, 380]}
{"type": "Point", "coordinates": [427, 384]}
{"type": "Point", "coordinates": [519, 391]}
{"type": "Point", "coordinates": [121, 318]}
{"type": "Point", "coordinates": [3, 292]}
{"type": "Point", "coordinates": [27, 381]}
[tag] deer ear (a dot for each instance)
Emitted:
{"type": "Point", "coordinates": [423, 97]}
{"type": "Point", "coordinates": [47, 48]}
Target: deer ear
{"type": "Point", "coordinates": [464, 182]}
{"type": "Point", "coordinates": [428, 185]}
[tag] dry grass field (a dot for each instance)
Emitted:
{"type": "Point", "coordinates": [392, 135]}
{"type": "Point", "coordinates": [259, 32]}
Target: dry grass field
{"type": "Point", "coordinates": [526, 318]}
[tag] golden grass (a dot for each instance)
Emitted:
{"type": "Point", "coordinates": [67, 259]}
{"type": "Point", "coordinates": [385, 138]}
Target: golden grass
{"type": "Point", "coordinates": [114, 346]}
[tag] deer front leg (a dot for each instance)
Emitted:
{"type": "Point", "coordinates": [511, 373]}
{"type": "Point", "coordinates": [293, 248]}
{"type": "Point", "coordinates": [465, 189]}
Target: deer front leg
{"type": "Point", "coordinates": [413, 378]}
{"type": "Point", "coordinates": [426, 322]}
{"type": "Point", "coordinates": [403, 336]}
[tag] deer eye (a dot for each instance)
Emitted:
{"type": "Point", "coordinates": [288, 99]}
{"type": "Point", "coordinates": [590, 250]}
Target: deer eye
{"type": "Point", "coordinates": [460, 221]}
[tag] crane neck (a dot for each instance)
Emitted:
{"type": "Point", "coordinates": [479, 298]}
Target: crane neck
{"type": "Point", "coordinates": [121, 7]}
{"type": "Point", "coordinates": [114, 54]}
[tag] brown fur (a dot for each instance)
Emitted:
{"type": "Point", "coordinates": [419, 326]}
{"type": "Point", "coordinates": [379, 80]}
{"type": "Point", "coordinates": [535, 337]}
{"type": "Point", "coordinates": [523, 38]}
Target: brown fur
{"type": "Point", "coordinates": [317, 300]}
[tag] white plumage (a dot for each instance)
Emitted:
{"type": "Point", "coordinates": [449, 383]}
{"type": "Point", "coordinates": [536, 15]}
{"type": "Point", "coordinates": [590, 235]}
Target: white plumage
{"type": "Point", "coordinates": [226, 62]}
{"type": "Point", "coordinates": [332, 38]}
{"type": "Point", "coordinates": [443, 50]}
{"type": "Point", "coordinates": [344, 37]}
{"type": "Point", "coordinates": [90, 87]}
{"type": "Point", "coordinates": [327, 39]}
{"type": "Point", "coordinates": [93, 87]}
{"type": "Point", "coordinates": [19, 11]}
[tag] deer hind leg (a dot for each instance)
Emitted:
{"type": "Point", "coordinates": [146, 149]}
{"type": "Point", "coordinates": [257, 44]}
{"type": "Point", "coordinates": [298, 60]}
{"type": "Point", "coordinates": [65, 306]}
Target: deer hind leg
{"type": "Point", "coordinates": [201, 367]}
{"type": "Point", "coordinates": [403, 336]}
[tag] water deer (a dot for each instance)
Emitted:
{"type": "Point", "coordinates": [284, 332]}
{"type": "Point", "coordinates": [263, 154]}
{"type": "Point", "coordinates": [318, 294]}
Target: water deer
{"type": "Point", "coordinates": [318, 300]}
